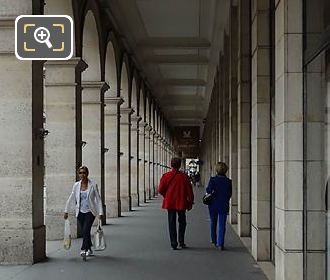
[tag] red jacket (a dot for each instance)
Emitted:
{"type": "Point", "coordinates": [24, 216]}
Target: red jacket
{"type": "Point", "coordinates": [178, 195]}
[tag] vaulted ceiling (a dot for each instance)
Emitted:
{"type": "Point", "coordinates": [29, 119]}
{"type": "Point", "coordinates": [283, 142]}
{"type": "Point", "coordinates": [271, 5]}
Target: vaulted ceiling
{"type": "Point", "coordinates": [176, 44]}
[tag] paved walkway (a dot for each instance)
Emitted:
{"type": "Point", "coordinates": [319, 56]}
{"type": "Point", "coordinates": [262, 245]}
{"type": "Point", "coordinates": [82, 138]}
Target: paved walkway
{"type": "Point", "coordinates": [138, 249]}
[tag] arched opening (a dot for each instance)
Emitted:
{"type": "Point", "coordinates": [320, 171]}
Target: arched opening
{"type": "Point", "coordinates": [125, 147]}
{"type": "Point", "coordinates": [134, 146]}
{"type": "Point", "coordinates": [140, 105]}
{"type": "Point", "coordinates": [111, 127]}
{"type": "Point", "coordinates": [92, 101]}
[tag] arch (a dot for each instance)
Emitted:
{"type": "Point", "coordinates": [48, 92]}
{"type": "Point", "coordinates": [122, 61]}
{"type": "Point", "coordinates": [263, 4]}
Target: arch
{"type": "Point", "coordinates": [148, 108]}
{"type": "Point", "coordinates": [91, 49]}
{"type": "Point", "coordinates": [134, 96]}
{"type": "Point", "coordinates": [141, 100]}
{"type": "Point", "coordinates": [81, 9]}
{"type": "Point", "coordinates": [124, 85]}
{"type": "Point", "coordinates": [111, 72]}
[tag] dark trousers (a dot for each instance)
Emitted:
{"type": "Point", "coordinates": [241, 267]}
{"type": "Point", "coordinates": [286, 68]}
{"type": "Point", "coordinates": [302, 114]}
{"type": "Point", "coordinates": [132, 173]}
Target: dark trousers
{"type": "Point", "coordinates": [86, 221]}
{"type": "Point", "coordinates": [172, 226]}
{"type": "Point", "coordinates": [214, 216]}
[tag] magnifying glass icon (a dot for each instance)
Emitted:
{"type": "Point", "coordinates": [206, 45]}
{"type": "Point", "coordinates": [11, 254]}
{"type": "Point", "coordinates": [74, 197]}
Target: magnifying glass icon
{"type": "Point", "coordinates": [41, 35]}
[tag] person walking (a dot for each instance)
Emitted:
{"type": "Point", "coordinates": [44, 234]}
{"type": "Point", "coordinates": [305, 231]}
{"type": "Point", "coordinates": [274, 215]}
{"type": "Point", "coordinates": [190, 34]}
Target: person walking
{"type": "Point", "coordinates": [176, 189]}
{"type": "Point", "coordinates": [220, 186]}
{"type": "Point", "coordinates": [88, 205]}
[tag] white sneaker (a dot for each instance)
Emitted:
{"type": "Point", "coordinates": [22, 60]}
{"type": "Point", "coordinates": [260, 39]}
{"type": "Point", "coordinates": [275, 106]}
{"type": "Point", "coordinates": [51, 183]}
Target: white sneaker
{"type": "Point", "coordinates": [82, 253]}
{"type": "Point", "coordinates": [89, 253]}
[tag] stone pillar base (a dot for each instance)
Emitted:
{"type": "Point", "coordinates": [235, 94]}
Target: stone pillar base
{"type": "Point", "coordinates": [125, 203]}
{"type": "Point", "coordinates": [19, 250]}
{"type": "Point", "coordinates": [39, 250]}
{"type": "Point", "coordinates": [260, 244]}
{"type": "Point", "coordinates": [135, 200]}
{"type": "Point", "coordinates": [288, 265]}
{"type": "Point", "coordinates": [244, 224]}
{"type": "Point", "coordinates": [112, 210]}
{"type": "Point", "coordinates": [233, 214]}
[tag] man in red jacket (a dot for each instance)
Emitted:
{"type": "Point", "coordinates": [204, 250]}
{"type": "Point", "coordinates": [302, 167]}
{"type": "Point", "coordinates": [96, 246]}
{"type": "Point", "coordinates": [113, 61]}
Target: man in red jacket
{"type": "Point", "coordinates": [178, 196]}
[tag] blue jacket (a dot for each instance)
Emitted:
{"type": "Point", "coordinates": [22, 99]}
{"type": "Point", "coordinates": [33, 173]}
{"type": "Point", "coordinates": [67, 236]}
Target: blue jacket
{"type": "Point", "coordinates": [223, 189]}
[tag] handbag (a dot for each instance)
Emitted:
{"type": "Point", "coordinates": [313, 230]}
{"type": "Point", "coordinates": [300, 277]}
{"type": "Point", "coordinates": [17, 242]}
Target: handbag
{"type": "Point", "coordinates": [67, 235]}
{"type": "Point", "coordinates": [208, 197]}
{"type": "Point", "coordinates": [99, 240]}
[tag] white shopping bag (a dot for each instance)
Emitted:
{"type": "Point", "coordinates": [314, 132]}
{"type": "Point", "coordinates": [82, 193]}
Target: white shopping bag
{"type": "Point", "coordinates": [99, 240]}
{"type": "Point", "coordinates": [67, 235]}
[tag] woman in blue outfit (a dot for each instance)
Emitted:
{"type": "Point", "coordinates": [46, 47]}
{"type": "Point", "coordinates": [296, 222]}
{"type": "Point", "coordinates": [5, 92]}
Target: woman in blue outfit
{"type": "Point", "coordinates": [221, 187]}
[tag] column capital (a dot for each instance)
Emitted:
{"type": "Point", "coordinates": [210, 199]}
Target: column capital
{"type": "Point", "coordinates": [143, 124]}
{"type": "Point", "coordinates": [7, 22]}
{"type": "Point", "coordinates": [126, 111]}
{"type": "Point", "coordinates": [136, 119]}
{"type": "Point", "coordinates": [88, 95]}
{"type": "Point", "coordinates": [74, 62]}
{"type": "Point", "coordinates": [65, 72]}
{"type": "Point", "coordinates": [148, 127]}
{"type": "Point", "coordinates": [113, 100]}
{"type": "Point", "coordinates": [103, 86]}
{"type": "Point", "coordinates": [7, 46]}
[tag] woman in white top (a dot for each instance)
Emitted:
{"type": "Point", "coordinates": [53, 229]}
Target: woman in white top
{"type": "Point", "coordinates": [88, 205]}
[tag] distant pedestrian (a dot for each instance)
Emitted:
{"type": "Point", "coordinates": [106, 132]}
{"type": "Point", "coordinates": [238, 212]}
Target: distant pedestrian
{"type": "Point", "coordinates": [197, 179]}
{"type": "Point", "coordinates": [176, 189]}
{"type": "Point", "coordinates": [221, 189]}
{"type": "Point", "coordinates": [88, 205]}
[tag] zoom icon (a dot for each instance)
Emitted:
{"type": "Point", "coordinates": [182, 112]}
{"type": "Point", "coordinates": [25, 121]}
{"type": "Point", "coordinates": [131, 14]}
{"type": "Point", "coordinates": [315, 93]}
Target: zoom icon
{"type": "Point", "coordinates": [44, 37]}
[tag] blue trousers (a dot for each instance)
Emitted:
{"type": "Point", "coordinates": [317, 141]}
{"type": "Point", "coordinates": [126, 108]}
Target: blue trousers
{"type": "Point", "coordinates": [214, 216]}
{"type": "Point", "coordinates": [86, 221]}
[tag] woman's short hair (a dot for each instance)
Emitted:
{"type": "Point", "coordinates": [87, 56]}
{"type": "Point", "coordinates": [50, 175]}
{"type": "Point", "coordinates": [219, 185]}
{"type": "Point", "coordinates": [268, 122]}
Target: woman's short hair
{"type": "Point", "coordinates": [221, 168]}
{"type": "Point", "coordinates": [176, 162]}
{"type": "Point", "coordinates": [85, 168]}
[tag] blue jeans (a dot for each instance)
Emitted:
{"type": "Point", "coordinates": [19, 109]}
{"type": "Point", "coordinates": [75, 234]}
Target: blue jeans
{"type": "Point", "coordinates": [86, 221]}
{"type": "Point", "coordinates": [214, 216]}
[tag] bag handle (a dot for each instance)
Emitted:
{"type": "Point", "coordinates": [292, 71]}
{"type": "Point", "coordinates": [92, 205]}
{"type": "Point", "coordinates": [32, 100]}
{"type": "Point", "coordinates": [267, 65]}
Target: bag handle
{"type": "Point", "coordinates": [99, 226]}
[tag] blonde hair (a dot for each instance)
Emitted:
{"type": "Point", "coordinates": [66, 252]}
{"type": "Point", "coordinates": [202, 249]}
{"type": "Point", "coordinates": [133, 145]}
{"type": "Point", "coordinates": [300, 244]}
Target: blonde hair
{"type": "Point", "coordinates": [85, 168]}
{"type": "Point", "coordinates": [221, 168]}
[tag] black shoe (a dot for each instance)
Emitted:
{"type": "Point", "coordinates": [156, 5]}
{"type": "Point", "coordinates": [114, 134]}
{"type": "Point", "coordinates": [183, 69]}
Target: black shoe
{"type": "Point", "coordinates": [222, 248]}
{"type": "Point", "coordinates": [174, 248]}
{"type": "Point", "coordinates": [183, 246]}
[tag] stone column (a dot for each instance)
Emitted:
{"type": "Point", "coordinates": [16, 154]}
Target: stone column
{"type": "Point", "coordinates": [225, 112]}
{"type": "Point", "coordinates": [244, 127]}
{"type": "Point", "coordinates": [221, 108]}
{"type": "Point", "coordinates": [60, 145]}
{"type": "Point", "coordinates": [147, 162]}
{"type": "Point", "coordinates": [135, 160]}
{"type": "Point", "coordinates": [125, 162]}
{"type": "Point", "coordinates": [152, 162]}
{"type": "Point", "coordinates": [22, 235]}
{"type": "Point", "coordinates": [289, 165]}
{"type": "Point", "coordinates": [163, 154]}
{"type": "Point", "coordinates": [92, 108]}
{"type": "Point", "coordinates": [158, 161]}
{"type": "Point", "coordinates": [112, 157]}
{"type": "Point", "coordinates": [233, 114]}
{"type": "Point", "coordinates": [142, 189]}
{"type": "Point", "coordinates": [260, 131]}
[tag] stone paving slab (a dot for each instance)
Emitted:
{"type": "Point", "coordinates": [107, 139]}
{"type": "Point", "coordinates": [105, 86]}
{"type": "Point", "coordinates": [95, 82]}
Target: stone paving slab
{"type": "Point", "coordinates": [138, 248]}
